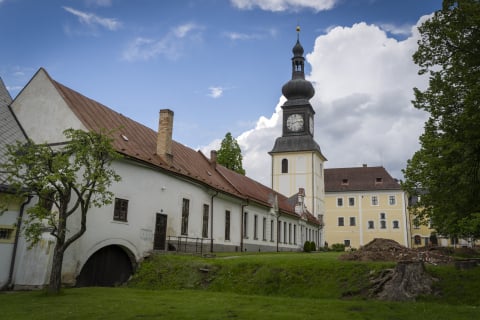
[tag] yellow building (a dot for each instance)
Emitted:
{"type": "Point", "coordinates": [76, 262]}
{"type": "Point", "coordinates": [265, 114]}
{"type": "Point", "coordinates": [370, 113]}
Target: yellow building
{"type": "Point", "coordinates": [362, 204]}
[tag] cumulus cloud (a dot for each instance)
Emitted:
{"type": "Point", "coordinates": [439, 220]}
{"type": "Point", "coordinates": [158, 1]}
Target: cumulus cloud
{"type": "Point", "coordinates": [284, 5]}
{"type": "Point", "coordinates": [364, 83]}
{"type": "Point", "coordinates": [170, 45]}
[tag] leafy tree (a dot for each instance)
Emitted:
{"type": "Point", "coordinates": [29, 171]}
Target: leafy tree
{"type": "Point", "coordinates": [230, 154]}
{"type": "Point", "coordinates": [445, 172]}
{"type": "Point", "coordinates": [68, 180]}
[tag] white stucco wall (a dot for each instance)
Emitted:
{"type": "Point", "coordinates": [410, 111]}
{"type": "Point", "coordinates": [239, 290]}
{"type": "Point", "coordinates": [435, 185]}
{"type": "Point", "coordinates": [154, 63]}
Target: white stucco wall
{"type": "Point", "coordinates": [42, 111]}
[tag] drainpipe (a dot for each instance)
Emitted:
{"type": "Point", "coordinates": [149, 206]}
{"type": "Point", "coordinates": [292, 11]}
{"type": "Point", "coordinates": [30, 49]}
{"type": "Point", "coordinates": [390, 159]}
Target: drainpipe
{"type": "Point", "coordinates": [9, 284]}
{"type": "Point", "coordinates": [211, 221]}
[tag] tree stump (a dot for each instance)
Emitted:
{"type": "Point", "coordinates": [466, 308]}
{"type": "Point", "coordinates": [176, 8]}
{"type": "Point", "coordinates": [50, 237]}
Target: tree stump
{"type": "Point", "coordinates": [408, 280]}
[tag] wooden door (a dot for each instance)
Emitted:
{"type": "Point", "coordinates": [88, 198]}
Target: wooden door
{"type": "Point", "coordinates": [160, 236]}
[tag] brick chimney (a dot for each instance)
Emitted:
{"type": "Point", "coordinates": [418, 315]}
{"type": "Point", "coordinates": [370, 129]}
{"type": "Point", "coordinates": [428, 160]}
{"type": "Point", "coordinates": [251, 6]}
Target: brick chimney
{"type": "Point", "coordinates": [213, 158]}
{"type": "Point", "coordinates": [164, 137]}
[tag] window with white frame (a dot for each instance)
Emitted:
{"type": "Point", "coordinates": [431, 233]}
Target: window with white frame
{"type": "Point", "coordinates": [383, 222]}
{"type": "Point", "coordinates": [352, 221]}
{"type": "Point", "coordinates": [374, 200]}
{"type": "Point", "coordinates": [392, 200]}
{"type": "Point", "coordinates": [227, 225]}
{"type": "Point", "coordinates": [264, 229]}
{"type": "Point", "coordinates": [341, 221]}
{"type": "Point", "coordinates": [351, 201]}
{"type": "Point", "coordinates": [245, 225]}
{"type": "Point", "coordinates": [346, 243]}
{"type": "Point", "coordinates": [396, 224]}
{"type": "Point", "coordinates": [185, 213]}
{"type": "Point", "coordinates": [120, 211]}
{"type": "Point", "coordinates": [255, 227]}
{"type": "Point", "coordinates": [371, 224]}
{"type": "Point", "coordinates": [339, 202]}
{"type": "Point", "coordinates": [206, 211]}
{"type": "Point", "coordinates": [271, 230]}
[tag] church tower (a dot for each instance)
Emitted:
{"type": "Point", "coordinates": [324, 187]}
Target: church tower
{"type": "Point", "coordinates": [297, 161]}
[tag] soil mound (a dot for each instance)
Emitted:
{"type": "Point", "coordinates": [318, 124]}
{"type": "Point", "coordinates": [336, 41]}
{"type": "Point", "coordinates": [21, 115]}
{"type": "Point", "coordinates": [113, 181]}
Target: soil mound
{"type": "Point", "coordinates": [389, 250]}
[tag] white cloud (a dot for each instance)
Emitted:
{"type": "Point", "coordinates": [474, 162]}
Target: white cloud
{"type": "Point", "coordinates": [100, 3]}
{"type": "Point", "coordinates": [404, 30]}
{"type": "Point", "coordinates": [284, 5]}
{"type": "Point", "coordinates": [170, 45]}
{"type": "Point", "coordinates": [215, 92]}
{"type": "Point", "coordinates": [364, 84]}
{"type": "Point", "coordinates": [93, 20]}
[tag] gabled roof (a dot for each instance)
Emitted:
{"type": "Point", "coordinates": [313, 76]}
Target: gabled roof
{"type": "Point", "coordinates": [359, 179]}
{"type": "Point", "coordinates": [139, 142]}
{"type": "Point", "coordinates": [10, 130]}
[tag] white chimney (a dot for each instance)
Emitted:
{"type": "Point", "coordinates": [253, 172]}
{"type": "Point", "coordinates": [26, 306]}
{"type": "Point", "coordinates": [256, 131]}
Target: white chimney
{"type": "Point", "coordinates": [164, 137]}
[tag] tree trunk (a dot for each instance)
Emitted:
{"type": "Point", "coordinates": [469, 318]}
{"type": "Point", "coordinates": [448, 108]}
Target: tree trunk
{"type": "Point", "coordinates": [408, 280]}
{"type": "Point", "coordinates": [56, 273]}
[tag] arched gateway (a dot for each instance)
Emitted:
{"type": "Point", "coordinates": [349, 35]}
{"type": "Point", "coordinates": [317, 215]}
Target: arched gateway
{"type": "Point", "coordinates": [110, 266]}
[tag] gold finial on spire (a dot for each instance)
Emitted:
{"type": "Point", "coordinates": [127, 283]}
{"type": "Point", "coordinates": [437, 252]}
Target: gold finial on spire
{"type": "Point", "coordinates": [298, 32]}
{"type": "Point", "coordinates": [298, 28]}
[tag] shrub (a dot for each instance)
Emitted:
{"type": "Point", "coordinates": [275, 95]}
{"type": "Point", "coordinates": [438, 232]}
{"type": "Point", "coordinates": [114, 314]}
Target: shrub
{"type": "Point", "coordinates": [307, 247]}
{"type": "Point", "coordinates": [313, 246]}
{"type": "Point", "coordinates": [338, 247]}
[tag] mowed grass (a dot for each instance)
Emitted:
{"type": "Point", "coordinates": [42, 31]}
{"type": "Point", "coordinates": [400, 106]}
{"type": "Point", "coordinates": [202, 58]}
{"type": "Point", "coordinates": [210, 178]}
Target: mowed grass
{"type": "Point", "coordinates": [260, 286]}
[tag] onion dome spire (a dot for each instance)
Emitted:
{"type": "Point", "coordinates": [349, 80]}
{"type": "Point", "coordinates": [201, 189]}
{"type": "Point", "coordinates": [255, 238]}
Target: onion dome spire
{"type": "Point", "coordinates": [298, 87]}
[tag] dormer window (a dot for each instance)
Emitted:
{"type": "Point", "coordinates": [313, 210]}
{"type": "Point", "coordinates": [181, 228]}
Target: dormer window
{"type": "Point", "coordinates": [344, 182]}
{"type": "Point", "coordinates": [378, 180]}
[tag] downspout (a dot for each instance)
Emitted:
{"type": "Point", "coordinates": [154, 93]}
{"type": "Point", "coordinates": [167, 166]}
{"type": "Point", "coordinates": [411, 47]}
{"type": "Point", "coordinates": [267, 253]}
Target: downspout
{"type": "Point", "coordinates": [9, 283]}
{"type": "Point", "coordinates": [211, 221]}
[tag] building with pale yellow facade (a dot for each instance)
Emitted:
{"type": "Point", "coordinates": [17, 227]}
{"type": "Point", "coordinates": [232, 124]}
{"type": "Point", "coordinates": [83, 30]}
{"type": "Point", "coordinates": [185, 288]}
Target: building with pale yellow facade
{"type": "Point", "coordinates": [364, 203]}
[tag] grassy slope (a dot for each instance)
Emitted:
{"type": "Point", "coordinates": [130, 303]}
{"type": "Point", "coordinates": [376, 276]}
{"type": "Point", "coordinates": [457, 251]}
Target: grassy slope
{"type": "Point", "coordinates": [262, 286]}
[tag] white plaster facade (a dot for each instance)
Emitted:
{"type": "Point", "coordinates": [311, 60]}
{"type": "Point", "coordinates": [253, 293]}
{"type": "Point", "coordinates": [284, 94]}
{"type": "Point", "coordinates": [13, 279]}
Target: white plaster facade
{"type": "Point", "coordinates": [150, 190]}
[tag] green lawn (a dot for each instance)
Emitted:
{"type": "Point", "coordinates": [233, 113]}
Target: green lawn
{"type": "Point", "coordinates": [261, 286]}
{"type": "Point", "coordinates": [127, 303]}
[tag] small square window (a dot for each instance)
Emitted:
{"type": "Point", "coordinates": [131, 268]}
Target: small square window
{"type": "Point", "coordinates": [382, 215]}
{"type": "Point", "coordinates": [371, 224]}
{"type": "Point", "coordinates": [396, 225]}
{"type": "Point", "coordinates": [383, 224]}
{"type": "Point", "coordinates": [346, 243]}
{"type": "Point", "coordinates": [345, 182]}
{"type": "Point", "coordinates": [120, 211]}
{"type": "Point", "coordinates": [7, 234]}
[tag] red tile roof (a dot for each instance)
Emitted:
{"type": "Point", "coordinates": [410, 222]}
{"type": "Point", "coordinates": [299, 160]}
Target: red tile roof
{"type": "Point", "coordinates": [359, 179]}
{"type": "Point", "coordinates": [138, 142]}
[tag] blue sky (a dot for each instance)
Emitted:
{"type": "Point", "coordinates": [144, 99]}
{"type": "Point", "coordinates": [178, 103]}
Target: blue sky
{"type": "Point", "coordinates": [220, 65]}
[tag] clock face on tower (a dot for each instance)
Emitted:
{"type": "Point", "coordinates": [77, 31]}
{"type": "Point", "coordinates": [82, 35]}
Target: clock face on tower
{"type": "Point", "coordinates": [295, 122]}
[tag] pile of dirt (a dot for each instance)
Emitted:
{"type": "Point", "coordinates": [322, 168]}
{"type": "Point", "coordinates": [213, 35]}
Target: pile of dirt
{"type": "Point", "coordinates": [389, 250]}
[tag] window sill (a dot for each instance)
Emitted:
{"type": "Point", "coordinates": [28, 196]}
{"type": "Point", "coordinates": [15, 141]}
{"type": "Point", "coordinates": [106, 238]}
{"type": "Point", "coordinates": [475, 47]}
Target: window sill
{"type": "Point", "coordinates": [120, 222]}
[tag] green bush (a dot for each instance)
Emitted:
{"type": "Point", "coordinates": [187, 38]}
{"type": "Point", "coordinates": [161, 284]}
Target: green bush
{"type": "Point", "coordinates": [307, 247]}
{"type": "Point", "coordinates": [338, 247]}
{"type": "Point", "coordinates": [313, 246]}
